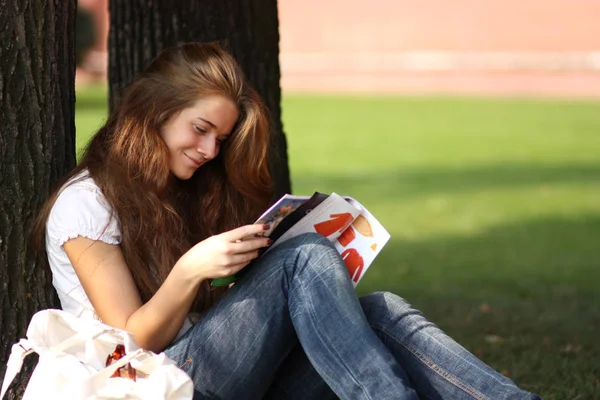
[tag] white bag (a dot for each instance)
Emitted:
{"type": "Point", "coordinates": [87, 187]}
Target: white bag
{"type": "Point", "coordinates": [72, 363]}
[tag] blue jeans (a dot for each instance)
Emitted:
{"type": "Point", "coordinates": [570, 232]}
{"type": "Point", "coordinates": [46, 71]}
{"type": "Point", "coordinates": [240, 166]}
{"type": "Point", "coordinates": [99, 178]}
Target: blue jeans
{"type": "Point", "coordinates": [293, 328]}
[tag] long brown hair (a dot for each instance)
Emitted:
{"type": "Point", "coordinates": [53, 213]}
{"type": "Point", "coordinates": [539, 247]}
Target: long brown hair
{"type": "Point", "coordinates": [160, 216]}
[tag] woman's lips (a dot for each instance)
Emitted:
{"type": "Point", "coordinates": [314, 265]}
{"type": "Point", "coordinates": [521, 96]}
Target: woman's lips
{"type": "Point", "coordinates": [197, 163]}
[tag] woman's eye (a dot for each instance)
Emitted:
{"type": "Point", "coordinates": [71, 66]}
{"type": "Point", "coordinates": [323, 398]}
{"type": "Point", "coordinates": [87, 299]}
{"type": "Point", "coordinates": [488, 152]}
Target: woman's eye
{"type": "Point", "coordinates": [199, 129]}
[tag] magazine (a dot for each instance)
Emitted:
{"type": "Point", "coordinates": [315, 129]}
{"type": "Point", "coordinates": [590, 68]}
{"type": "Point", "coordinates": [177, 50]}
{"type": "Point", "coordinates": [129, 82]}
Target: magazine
{"type": "Point", "coordinates": [355, 232]}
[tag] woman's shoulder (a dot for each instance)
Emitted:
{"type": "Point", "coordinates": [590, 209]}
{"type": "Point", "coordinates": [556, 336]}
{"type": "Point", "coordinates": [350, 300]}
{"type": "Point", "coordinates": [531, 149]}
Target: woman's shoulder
{"type": "Point", "coordinates": [81, 209]}
{"type": "Point", "coordinates": [79, 191]}
{"type": "Point", "coordinates": [81, 181]}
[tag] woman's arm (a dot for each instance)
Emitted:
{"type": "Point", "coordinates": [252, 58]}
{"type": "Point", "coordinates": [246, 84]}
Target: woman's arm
{"type": "Point", "coordinates": [108, 283]}
{"type": "Point", "coordinates": [106, 279]}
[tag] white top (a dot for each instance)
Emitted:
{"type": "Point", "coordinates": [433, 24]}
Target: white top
{"type": "Point", "coordinates": [80, 210]}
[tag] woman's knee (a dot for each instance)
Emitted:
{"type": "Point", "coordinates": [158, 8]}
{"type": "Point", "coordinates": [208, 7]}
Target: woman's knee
{"type": "Point", "coordinates": [306, 248]}
{"type": "Point", "coordinates": [385, 300]}
{"type": "Point", "coordinates": [385, 310]}
{"type": "Point", "coordinates": [308, 241]}
{"type": "Point", "coordinates": [302, 251]}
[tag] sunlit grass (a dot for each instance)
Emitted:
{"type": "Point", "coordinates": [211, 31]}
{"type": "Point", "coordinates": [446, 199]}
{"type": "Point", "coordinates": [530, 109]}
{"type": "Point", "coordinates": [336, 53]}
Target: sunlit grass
{"type": "Point", "coordinates": [494, 211]}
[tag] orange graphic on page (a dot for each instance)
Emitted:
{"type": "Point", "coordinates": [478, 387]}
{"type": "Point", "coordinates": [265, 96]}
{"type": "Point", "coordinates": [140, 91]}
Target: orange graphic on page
{"type": "Point", "coordinates": [347, 237]}
{"type": "Point", "coordinates": [354, 263]}
{"type": "Point", "coordinates": [337, 223]}
{"type": "Point", "coordinates": [362, 225]}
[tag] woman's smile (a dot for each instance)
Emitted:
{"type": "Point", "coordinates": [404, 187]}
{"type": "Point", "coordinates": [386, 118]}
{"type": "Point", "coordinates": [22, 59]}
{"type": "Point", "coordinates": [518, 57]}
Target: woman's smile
{"type": "Point", "coordinates": [195, 161]}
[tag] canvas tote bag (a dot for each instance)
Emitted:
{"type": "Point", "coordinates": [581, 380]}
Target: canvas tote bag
{"type": "Point", "coordinates": [72, 362]}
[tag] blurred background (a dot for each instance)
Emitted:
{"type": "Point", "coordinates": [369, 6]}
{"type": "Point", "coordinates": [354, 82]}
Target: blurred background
{"type": "Point", "coordinates": [471, 130]}
{"type": "Point", "coordinates": [539, 47]}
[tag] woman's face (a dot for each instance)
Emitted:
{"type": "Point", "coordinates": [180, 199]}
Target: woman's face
{"type": "Point", "coordinates": [195, 136]}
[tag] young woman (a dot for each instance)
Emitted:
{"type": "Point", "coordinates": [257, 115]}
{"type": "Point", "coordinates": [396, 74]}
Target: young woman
{"type": "Point", "coordinates": [160, 205]}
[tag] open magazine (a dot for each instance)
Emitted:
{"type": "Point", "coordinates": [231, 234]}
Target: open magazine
{"type": "Point", "coordinates": [354, 231]}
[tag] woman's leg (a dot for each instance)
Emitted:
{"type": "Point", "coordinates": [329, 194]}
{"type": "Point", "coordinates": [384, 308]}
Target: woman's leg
{"type": "Point", "coordinates": [297, 379]}
{"type": "Point", "coordinates": [437, 366]}
{"type": "Point", "coordinates": [299, 290]}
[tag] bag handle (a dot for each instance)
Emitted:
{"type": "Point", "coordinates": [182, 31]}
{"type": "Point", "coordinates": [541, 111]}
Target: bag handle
{"type": "Point", "coordinates": [18, 353]}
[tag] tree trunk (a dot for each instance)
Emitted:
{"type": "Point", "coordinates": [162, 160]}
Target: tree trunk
{"type": "Point", "coordinates": [139, 30]}
{"type": "Point", "coordinates": [37, 146]}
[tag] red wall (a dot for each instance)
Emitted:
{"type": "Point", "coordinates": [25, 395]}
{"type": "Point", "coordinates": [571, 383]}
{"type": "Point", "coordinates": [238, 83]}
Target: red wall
{"type": "Point", "coordinates": [541, 47]}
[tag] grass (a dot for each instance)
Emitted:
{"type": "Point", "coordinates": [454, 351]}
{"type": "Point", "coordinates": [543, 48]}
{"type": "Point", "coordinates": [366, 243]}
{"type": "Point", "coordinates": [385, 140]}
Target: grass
{"type": "Point", "coordinates": [494, 211]}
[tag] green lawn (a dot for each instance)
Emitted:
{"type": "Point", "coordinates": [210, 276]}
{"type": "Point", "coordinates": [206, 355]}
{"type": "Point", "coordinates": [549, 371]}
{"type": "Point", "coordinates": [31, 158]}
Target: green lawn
{"type": "Point", "coordinates": [494, 211]}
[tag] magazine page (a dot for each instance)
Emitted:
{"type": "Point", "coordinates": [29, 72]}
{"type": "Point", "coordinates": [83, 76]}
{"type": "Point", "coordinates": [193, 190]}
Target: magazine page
{"type": "Point", "coordinates": [293, 218]}
{"type": "Point", "coordinates": [361, 242]}
{"type": "Point", "coordinates": [283, 207]}
{"type": "Point", "coordinates": [330, 219]}
{"type": "Point", "coordinates": [356, 234]}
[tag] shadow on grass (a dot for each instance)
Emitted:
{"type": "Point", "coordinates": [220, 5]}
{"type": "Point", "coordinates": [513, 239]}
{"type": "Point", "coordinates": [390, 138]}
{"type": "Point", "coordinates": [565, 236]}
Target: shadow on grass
{"type": "Point", "coordinates": [411, 182]}
{"type": "Point", "coordinates": [532, 288]}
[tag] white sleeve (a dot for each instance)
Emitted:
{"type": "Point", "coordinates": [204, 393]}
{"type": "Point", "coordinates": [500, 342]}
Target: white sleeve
{"type": "Point", "coordinates": [82, 210]}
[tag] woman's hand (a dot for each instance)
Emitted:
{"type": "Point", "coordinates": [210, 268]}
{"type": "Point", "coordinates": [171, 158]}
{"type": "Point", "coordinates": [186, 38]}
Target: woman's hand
{"type": "Point", "coordinates": [225, 254]}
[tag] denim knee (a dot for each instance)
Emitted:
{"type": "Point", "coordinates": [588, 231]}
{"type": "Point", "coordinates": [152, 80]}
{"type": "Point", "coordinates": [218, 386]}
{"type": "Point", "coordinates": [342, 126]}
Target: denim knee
{"type": "Point", "coordinates": [306, 245]}
{"type": "Point", "coordinates": [304, 250]}
{"type": "Point", "coordinates": [385, 310]}
{"type": "Point", "coordinates": [385, 301]}
{"type": "Point", "coordinates": [310, 240]}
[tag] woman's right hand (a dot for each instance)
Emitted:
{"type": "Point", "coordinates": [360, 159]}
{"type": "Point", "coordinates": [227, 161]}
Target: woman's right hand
{"type": "Point", "coordinates": [225, 254]}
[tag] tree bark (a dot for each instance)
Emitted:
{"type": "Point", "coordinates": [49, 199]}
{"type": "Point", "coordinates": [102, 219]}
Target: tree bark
{"type": "Point", "coordinates": [249, 29]}
{"type": "Point", "coordinates": [37, 147]}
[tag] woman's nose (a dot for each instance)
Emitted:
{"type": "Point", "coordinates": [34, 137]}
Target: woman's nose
{"type": "Point", "coordinates": [208, 147]}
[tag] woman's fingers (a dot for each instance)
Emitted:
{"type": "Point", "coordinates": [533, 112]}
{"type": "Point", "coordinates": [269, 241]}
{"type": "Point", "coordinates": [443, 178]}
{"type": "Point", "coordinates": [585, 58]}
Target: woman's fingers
{"type": "Point", "coordinates": [246, 245]}
{"type": "Point", "coordinates": [245, 232]}
{"type": "Point", "coordinates": [238, 247]}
